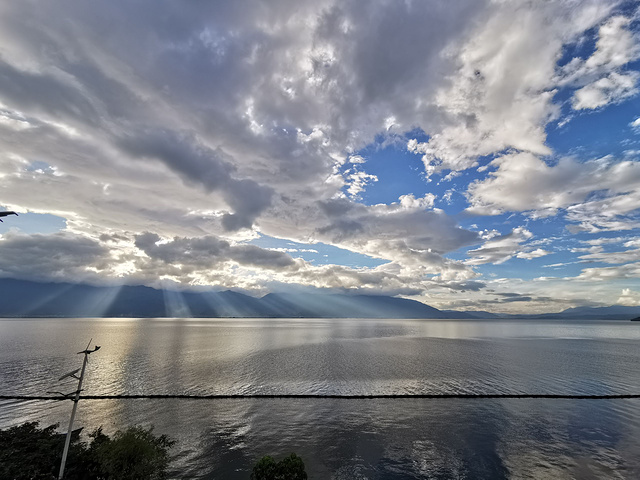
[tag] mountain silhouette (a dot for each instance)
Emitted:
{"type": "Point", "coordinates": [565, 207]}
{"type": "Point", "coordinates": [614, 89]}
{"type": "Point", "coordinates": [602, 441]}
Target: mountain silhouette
{"type": "Point", "coordinates": [23, 298]}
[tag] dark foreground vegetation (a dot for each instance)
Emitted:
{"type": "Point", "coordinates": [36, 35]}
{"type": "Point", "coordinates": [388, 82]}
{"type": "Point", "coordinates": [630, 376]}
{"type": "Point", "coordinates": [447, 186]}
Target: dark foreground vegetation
{"type": "Point", "coordinates": [28, 452]}
{"type": "Point", "coordinates": [290, 468]}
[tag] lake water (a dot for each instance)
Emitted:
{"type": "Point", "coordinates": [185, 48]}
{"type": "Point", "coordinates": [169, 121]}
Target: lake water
{"type": "Point", "coordinates": [342, 438]}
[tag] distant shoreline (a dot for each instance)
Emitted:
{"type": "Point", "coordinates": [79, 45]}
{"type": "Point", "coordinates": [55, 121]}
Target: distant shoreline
{"type": "Point", "coordinates": [502, 317]}
{"type": "Point", "coordinates": [27, 299]}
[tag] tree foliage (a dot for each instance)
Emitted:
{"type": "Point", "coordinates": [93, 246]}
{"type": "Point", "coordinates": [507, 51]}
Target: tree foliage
{"type": "Point", "coordinates": [133, 454]}
{"type": "Point", "coordinates": [28, 452]}
{"type": "Point", "coordinates": [289, 468]}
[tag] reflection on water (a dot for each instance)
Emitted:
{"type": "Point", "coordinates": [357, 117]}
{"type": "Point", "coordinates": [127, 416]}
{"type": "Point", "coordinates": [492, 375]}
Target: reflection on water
{"type": "Point", "coordinates": [348, 439]}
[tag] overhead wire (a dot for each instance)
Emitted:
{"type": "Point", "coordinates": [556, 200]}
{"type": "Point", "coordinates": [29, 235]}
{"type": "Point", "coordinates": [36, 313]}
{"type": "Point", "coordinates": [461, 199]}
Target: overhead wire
{"type": "Point", "coordinates": [435, 396]}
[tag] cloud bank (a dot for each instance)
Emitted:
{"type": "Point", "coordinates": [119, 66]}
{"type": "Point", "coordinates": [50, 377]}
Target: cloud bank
{"type": "Point", "coordinates": [169, 136]}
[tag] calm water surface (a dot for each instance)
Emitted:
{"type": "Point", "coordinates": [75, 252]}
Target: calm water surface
{"type": "Point", "coordinates": [347, 439]}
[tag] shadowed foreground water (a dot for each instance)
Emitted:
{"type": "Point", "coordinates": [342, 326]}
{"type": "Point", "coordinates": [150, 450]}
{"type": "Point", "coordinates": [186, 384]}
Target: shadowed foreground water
{"type": "Point", "coordinates": [348, 439]}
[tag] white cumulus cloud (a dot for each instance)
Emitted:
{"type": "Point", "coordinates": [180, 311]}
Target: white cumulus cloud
{"type": "Point", "coordinates": [629, 298]}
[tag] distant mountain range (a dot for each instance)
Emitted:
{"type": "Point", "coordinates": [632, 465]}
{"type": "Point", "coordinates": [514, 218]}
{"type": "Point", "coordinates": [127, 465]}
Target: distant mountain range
{"type": "Point", "coordinates": [21, 298]}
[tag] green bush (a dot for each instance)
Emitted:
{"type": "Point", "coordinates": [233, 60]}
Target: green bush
{"type": "Point", "coordinates": [133, 454]}
{"type": "Point", "coordinates": [290, 468]}
{"type": "Point", "coordinates": [29, 453]}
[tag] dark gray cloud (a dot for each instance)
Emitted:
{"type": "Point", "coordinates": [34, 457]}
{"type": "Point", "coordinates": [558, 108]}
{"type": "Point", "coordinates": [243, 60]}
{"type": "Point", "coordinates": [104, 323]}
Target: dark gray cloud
{"type": "Point", "coordinates": [43, 93]}
{"type": "Point", "coordinates": [59, 256]}
{"type": "Point", "coordinates": [207, 252]}
{"type": "Point", "coordinates": [523, 298]}
{"type": "Point", "coordinates": [199, 164]}
{"type": "Point", "coordinates": [412, 229]}
{"type": "Point", "coordinates": [182, 152]}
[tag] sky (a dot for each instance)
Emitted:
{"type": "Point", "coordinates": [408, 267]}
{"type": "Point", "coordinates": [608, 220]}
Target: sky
{"type": "Point", "coordinates": [472, 155]}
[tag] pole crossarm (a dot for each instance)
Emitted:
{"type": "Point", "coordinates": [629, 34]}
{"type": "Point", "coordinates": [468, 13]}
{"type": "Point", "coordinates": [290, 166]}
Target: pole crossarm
{"type": "Point", "coordinates": [71, 374]}
{"type": "Point", "coordinates": [68, 396]}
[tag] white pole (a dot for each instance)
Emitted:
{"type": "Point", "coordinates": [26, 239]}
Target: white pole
{"type": "Point", "coordinates": [67, 441]}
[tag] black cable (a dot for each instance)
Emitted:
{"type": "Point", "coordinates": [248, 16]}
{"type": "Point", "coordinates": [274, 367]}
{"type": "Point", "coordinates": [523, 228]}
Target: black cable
{"type": "Point", "coordinates": [336, 396]}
